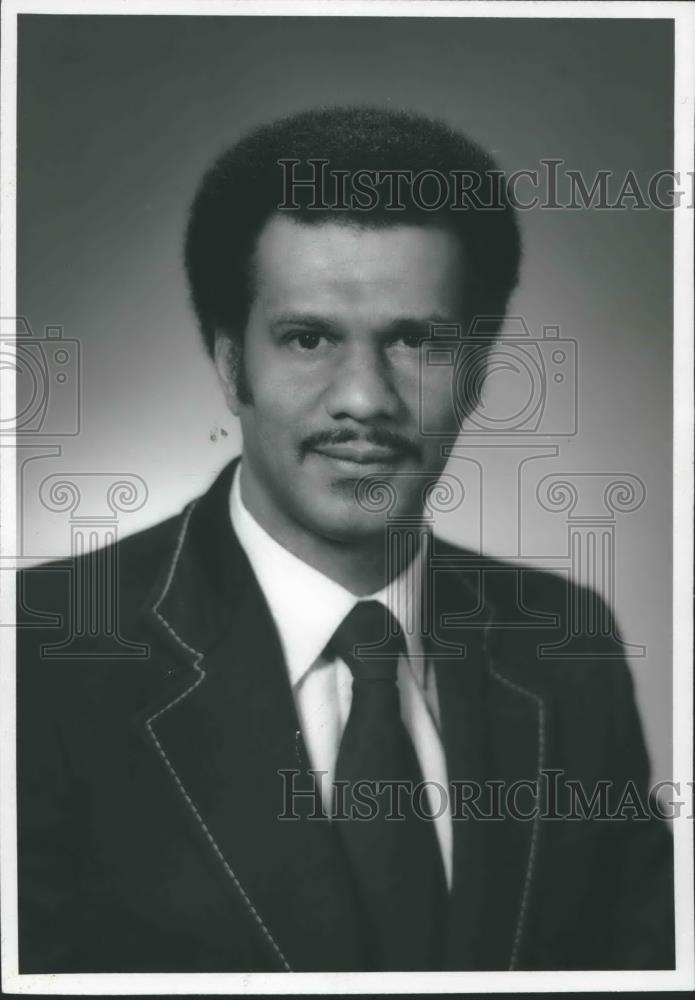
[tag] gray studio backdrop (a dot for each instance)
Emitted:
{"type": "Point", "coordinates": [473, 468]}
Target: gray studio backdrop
{"type": "Point", "coordinates": [118, 117]}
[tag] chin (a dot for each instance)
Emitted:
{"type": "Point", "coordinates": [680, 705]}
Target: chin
{"type": "Point", "coordinates": [347, 523]}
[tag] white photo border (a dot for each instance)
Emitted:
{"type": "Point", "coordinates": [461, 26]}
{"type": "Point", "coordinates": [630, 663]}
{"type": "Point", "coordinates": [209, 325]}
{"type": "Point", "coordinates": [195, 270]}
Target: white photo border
{"type": "Point", "coordinates": [683, 977]}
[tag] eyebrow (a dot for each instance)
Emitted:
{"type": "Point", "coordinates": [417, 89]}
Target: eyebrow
{"type": "Point", "coordinates": [301, 319]}
{"type": "Point", "coordinates": [405, 324]}
{"type": "Point", "coordinates": [417, 325]}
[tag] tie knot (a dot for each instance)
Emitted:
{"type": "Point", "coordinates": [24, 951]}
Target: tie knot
{"type": "Point", "coordinates": [369, 641]}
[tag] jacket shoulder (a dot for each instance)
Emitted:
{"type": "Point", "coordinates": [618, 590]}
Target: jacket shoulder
{"type": "Point", "coordinates": [133, 562]}
{"type": "Point", "coordinates": [543, 629]}
{"type": "Point", "coordinates": [503, 578]}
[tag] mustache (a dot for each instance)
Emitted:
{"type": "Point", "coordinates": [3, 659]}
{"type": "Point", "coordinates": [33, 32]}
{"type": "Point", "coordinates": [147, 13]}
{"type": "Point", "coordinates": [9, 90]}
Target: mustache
{"type": "Point", "coordinates": [377, 436]}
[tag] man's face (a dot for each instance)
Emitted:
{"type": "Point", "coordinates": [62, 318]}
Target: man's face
{"type": "Point", "coordinates": [332, 359]}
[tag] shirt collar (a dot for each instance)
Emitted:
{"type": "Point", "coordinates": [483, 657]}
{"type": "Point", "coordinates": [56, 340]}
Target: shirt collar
{"type": "Point", "coordinates": [306, 605]}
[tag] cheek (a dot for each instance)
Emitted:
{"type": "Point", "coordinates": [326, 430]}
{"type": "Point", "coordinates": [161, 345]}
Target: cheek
{"type": "Point", "coordinates": [435, 406]}
{"type": "Point", "coordinates": [279, 395]}
{"type": "Point", "coordinates": [282, 414]}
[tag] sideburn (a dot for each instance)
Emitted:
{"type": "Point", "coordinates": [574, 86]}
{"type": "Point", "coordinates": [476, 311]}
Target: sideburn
{"type": "Point", "coordinates": [237, 371]}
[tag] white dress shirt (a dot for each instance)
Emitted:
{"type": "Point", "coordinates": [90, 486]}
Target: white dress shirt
{"type": "Point", "coordinates": [307, 608]}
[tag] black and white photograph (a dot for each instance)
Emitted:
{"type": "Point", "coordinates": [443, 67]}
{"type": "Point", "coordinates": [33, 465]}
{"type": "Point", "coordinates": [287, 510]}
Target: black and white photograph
{"type": "Point", "coordinates": [346, 501]}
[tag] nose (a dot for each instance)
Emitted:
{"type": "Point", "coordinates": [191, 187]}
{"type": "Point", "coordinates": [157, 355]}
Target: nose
{"type": "Point", "coordinates": [362, 386]}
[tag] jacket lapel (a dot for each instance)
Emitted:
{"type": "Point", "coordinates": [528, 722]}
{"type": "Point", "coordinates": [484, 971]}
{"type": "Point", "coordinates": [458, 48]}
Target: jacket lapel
{"type": "Point", "coordinates": [493, 732]}
{"type": "Point", "coordinates": [226, 729]}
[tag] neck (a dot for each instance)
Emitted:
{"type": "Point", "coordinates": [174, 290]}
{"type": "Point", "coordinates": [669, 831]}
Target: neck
{"type": "Point", "coordinates": [362, 569]}
{"type": "Point", "coordinates": [362, 566]}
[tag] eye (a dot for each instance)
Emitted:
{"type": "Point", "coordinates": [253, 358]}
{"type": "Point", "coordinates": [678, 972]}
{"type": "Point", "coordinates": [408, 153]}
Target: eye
{"type": "Point", "coordinates": [412, 340]}
{"type": "Point", "coordinates": [307, 340]}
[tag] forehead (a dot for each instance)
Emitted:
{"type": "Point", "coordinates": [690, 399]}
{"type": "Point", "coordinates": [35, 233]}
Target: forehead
{"type": "Point", "coordinates": [344, 267]}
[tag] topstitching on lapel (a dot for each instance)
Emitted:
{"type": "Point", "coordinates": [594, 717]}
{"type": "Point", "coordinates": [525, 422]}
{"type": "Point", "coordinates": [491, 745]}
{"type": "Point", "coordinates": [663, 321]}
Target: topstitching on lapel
{"type": "Point", "coordinates": [494, 734]}
{"type": "Point", "coordinates": [228, 738]}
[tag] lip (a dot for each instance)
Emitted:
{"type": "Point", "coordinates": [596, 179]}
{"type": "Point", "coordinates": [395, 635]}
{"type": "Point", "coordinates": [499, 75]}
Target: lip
{"type": "Point", "coordinates": [360, 454]}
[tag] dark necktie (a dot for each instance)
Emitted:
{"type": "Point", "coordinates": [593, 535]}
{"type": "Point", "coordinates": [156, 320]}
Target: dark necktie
{"type": "Point", "coordinates": [396, 862]}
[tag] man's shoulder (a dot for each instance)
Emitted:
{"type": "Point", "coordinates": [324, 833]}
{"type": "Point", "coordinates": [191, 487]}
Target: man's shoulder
{"type": "Point", "coordinates": [500, 580]}
{"type": "Point", "coordinates": [133, 560]}
{"type": "Point", "coordinates": [544, 630]}
{"type": "Point", "coordinates": [81, 601]}
{"type": "Point", "coordinates": [137, 562]}
{"type": "Point", "coordinates": [84, 629]}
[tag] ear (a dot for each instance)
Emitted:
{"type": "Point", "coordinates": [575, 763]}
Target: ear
{"type": "Point", "coordinates": [227, 358]}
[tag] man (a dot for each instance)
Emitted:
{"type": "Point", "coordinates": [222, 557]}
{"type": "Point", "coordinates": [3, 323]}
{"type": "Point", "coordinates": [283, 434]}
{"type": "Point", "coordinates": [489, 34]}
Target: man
{"type": "Point", "coordinates": [339, 752]}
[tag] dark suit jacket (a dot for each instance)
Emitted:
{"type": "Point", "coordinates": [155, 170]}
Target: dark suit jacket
{"type": "Point", "coordinates": [150, 752]}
